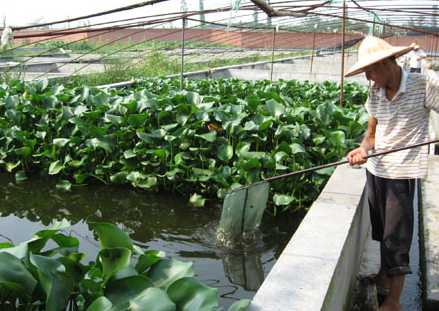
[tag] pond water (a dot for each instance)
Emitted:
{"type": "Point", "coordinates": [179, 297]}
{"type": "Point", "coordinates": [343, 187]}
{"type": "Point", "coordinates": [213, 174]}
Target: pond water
{"type": "Point", "coordinates": [162, 222]}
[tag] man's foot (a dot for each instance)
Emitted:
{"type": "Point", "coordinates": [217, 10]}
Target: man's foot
{"type": "Point", "coordinates": [389, 305]}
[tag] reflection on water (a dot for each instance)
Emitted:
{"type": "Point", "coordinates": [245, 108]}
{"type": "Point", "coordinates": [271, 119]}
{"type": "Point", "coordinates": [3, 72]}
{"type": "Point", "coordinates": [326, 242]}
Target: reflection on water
{"type": "Point", "coordinates": [161, 222]}
{"type": "Point", "coordinates": [244, 270]}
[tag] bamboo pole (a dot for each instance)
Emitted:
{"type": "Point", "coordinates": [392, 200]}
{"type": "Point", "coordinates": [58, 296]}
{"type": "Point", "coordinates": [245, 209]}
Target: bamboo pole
{"type": "Point", "coordinates": [272, 53]}
{"type": "Point", "coordinates": [182, 52]}
{"type": "Point", "coordinates": [342, 54]}
{"type": "Point", "coordinates": [312, 52]}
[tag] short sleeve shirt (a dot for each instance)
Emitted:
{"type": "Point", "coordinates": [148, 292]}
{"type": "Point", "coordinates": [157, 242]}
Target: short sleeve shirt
{"type": "Point", "coordinates": [403, 121]}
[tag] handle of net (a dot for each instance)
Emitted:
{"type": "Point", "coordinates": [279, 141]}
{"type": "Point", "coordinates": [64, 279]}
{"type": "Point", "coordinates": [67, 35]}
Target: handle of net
{"type": "Point", "coordinates": [319, 167]}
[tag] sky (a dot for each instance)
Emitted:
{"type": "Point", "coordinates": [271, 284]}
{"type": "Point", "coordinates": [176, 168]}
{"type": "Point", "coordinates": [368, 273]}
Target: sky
{"type": "Point", "coordinates": [24, 12]}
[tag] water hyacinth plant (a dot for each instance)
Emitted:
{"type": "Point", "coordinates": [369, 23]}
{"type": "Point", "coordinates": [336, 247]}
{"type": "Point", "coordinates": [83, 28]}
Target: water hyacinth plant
{"type": "Point", "coordinates": [198, 142]}
{"type": "Point", "coordinates": [48, 273]}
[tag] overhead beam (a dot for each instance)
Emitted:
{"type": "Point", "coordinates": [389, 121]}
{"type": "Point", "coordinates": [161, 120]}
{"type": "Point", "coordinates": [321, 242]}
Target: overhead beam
{"type": "Point", "coordinates": [271, 12]}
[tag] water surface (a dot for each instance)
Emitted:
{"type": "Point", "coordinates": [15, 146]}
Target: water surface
{"type": "Point", "coordinates": [162, 221]}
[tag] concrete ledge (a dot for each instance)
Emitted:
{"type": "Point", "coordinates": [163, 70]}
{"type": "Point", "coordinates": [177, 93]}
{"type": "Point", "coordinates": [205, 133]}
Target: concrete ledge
{"type": "Point", "coordinates": [317, 269]}
{"type": "Point", "coordinates": [30, 67]}
{"type": "Point", "coordinates": [259, 74]}
{"type": "Point", "coordinates": [430, 234]}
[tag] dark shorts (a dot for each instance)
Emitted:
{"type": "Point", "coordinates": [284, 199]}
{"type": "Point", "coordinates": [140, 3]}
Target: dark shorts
{"type": "Point", "coordinates": [415, 70]}
{"type": "Point", "coordinates": [391, 214]}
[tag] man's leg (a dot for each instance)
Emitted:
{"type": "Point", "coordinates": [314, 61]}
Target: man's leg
{"type": "Point", "coordinates": [391, 303]}
{"type": "Point", "coordinates": [397, 238]}
{"type": "Point", "coordinates": [376, 198]}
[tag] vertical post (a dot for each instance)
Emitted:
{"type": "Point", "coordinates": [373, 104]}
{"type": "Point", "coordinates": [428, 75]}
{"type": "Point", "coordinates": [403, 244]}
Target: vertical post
{"type": "Point", "coordinates": [269, 17]}
{"type": "Point", "coordinates": [312, 52]}
{"type": "Point", "coordinates": [182, 53]}
{"type": "Point", "coordinates": [433, 56]}
{"type": "Point", "coordinates": [342, 54]}
{"type": "Point", "coordinates": [427, 43]}
{"type": "Point", "coordinates": [202, 16]}
{"type": "Point", "coordinates": [272, 53]}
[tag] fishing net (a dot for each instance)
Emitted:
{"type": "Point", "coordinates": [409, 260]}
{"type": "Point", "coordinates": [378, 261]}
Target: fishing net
{"type": "Point", "coordinates": [242, 213]}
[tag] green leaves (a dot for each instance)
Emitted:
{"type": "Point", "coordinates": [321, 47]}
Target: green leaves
{"type": "Point", "coordinates": [274, 108]}
{"type": "Point", "coordinates": [110, 236]}
{"type": "Point", "coordinates": [14, 277]}
{"type": "Point", "coordinates": [225, 152]}
{"type": "Point", "coordinates": [141, 180]}
{"type": "Point", "coordinates": [96, 143]}
{"type": "Point", "coordinates": [55, 167]}
{"type": "Point", "coordinates": [121, 291]}
{"type": "Point", "coordinates": [54, 277]}
{"type": "Point", "coordinates": [153, 299]}
{"type": "Point", "coordinates": [282, 199]}
{"type": "Point", "coordinates": [54, 280]}
{"type": "Point", "coordinates": [190, 294]}
{"type": "Point", "coordinates": [167, 271]}
{"type": "Point", "coordinates": [114, 260]}
{"type": "Point", "coordinates": [210, 137]}
{"type": "Point", "coordinates": [157, 137]}
{"type": "Point", "coordinates": [296, 148]}
{"type": "Point", "coordinates": [60, 142]}
{"type": "Point", "coordinates": [197, 200]}
{"type": "Point", "coordinates": [100, 304]}
{"type": "Point", "coordinates": [147, 259]}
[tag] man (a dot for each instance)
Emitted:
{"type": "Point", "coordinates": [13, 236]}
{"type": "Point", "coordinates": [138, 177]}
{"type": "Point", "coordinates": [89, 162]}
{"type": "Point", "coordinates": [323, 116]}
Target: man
{"type": "Point", "coordinates": [5, 38]}
{"type": "Point", "coordinates": [416, 58]}
{"type": "Point", "coordinates": [398, 105]}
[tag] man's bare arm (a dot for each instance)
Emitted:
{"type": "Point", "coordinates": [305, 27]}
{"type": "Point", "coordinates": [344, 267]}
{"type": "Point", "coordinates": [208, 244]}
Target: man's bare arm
{"type": "Point", "coordinates": [357, 156]}
{"type": "Point", "coordinates": [368, 142]}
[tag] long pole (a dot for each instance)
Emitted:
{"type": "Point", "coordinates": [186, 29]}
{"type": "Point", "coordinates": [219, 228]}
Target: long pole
{"type": "Point", "coordinates": [272, 53]}
{"type": "Point", "coordinates": [319, 167]}
{"type": "Point", "coordinates": [182, 53]}
{"type": "Point", "coordinates": [316, 168]}
{"type": "Point", "coordinates": [342, 54]}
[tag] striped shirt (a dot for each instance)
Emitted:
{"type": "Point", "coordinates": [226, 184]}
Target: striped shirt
{"type": "Point", "coordinates": [403, 121]}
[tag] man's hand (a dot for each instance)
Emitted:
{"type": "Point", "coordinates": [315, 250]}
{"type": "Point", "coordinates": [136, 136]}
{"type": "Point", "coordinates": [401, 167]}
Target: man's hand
{"type": "Point", "coordinates": [357, 156]}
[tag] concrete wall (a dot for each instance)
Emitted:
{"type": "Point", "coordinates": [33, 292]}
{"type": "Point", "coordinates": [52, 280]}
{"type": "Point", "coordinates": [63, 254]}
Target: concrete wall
{"type": "Point", "coordinates": [430, 235]}
{"type": "Point", "coordinates": [29, 36]}
{"type": "Point", "coordinates": [427, 42]}
{"type": "Point", "coordinates": [318, 267]}
{"type": "Point", "coordinates": [238, 38]}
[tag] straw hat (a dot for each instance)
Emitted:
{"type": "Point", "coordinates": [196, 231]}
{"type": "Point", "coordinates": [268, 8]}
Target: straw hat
{"type": "Point", "coordinates": [373, 50]}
